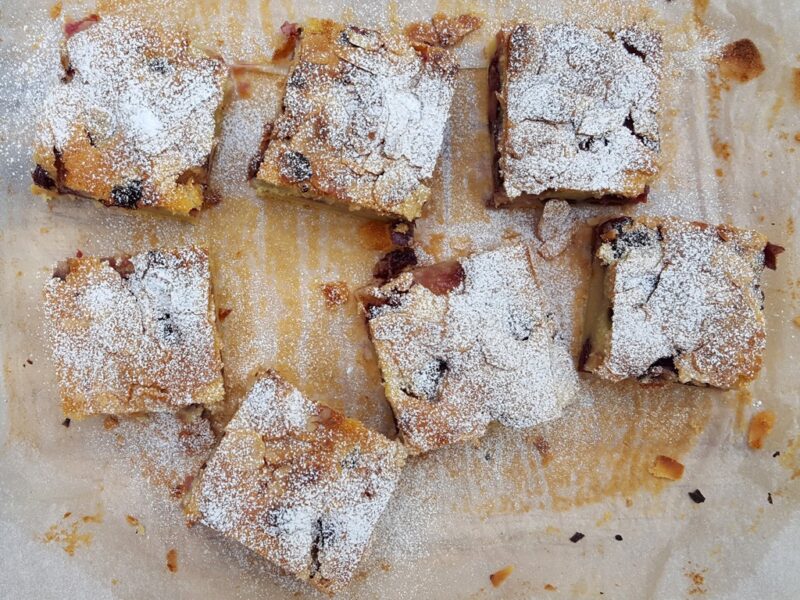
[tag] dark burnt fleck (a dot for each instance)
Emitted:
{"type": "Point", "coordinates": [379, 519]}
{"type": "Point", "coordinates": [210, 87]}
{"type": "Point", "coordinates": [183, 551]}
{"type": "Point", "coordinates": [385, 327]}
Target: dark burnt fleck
{"type": "Point", "coordinates": [127, 195]}
{"type": "Point", "coordinates": [66, 422]}
{"type": "Point", "coordinates": [697, 497]}
{"type": "Point", "coordinates": [769, 497]}
{"type": "Point", "coordinates": [158, 65]}
{"type": "Point", "coordinates": [631, 49]}
{"type": "Point", "coordinates": [618, 537]}
{"type": "Point", "coordinates": [776, 454]}
{"type": "Point", "coordinates": [294, 166]}
{"type": "Point", "coordinates": [42, 178]}
{"type": "Point", "coordinates": [402, 233]}
{"type": "Point", "coordinates": [576, 537]}
{"type": "Point", "coordinates": [121, 265]}
{"type": "Point", "coordinates": [255, 162]}
{"type": "Point", "coordinates": [29, 361]}
{"type": "Point", "coordinates": [393, 263]}
{"type": "Point", "coordinates": [771, 252]}
{"type": "Point", "coordinates": [586, 350]}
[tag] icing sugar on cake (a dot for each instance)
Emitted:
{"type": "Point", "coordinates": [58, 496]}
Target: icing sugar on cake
{"type": "Point", "coordinates": [134, 121]}
{"type": "Point", "coordinates": [684, 300]}
{"type": "Point", "coordinates": [579, 111]}
{"type": "Point", "coordinates": [298, 483]}
{"type": "Point", "coordinates": [464, 343]}
{"type": "Point", "coordinates": [363, 121]}
{"type": "Point", "coordinates": [134, 335]}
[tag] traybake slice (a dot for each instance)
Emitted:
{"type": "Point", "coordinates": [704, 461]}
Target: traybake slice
{"type": "Point", "coordinates": [467, 342]}
{"type": "Point", "coordinates": [134, 334]}
{"type": "Point", "coordinates": [134, 121]}
{"type": "Point", "coordinates": [363, 120]}
{"type": "Point", "coordinates": [298, 483]}
{"type": "Point", "coordinates": [573, 113]}
{"type": "Point", "coordinates": [676, 300]}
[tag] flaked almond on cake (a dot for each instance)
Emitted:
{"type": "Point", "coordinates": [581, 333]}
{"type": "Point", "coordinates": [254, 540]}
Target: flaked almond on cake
{"type": "Point", "coordinates": [467, 342]}
{"type": "Point", "coordinates": [134, 121]}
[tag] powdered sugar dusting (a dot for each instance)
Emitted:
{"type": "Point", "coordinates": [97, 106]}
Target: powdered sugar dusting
{"type": "Point", "coordinates": [580, 110]}
{"type": "Point", "coordinates": [363, 121]}
{"type": "Point", "coordinates": [139, 341]}
{"type": "Point", "coordinates": [487, 350]}
{"type": "Point", "coordinates": [134, 105]}
{"type": "Point", "coordinates": [685, 292]}
{"type": "Point", "coordinates": [298, 483]}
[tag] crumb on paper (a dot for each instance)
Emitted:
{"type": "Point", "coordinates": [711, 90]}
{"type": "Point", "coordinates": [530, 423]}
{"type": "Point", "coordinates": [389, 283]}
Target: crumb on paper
{"type": "Point", "coordinates": [665, 467]}
{"type": "Point", "coordinates": [443, 31]}
{"type": "Point", "coordinates": [498, 577]}
{"type": "Point", "coordinates": [66, 422]}
{"type": "Point", "coordinates": [696, 580]}
{"type": "Point", "coordinates": [135, 523]}
{"type": "Point", "coordinates": [761, 425]}
{"type": "Point", "coordinates": [68, 535]}
{"type": "Point", "coordinates": [618, 537]}
{"type": "Point", "coordinates": [223, 313]}
{"type": "Point", "coordinates": [796, 89]}
{"type": "Point", "coordinates": [796, 321]}
{"type": "Point", "coordinates": [576, 537]}
{"type": "Point", "coordinates": [172, 560]}
{"type": "Point", "coordinates": [741, 61]}
{"type": "Point", "coordinates": [697, 497]}
{"type": "Point", "coordinates": [769, 497]}
{"type": "Point", "coordinates": [110, 422]}
{"type": "Point", "coordinates": [336, 293]}
{"type": "Point", "coordinates": [55, 10]}
{"type": "Point", "coordinates": [549, 587]}
{"type": "Point", "coordinates": [556, 228]}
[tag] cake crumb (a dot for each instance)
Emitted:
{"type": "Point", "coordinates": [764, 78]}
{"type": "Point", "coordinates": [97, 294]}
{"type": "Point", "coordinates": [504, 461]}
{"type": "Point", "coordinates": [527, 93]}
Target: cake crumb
{"type": "Point", "coordinates": [760, 427]}
{"type": "Point", "coordinates": [796, 321]}
{"type": "Point", "coordinates": [335, 293]}
{"type": "Point", "coordinates": [576, 537]}
{"type": "Point", "coordinates": [665, 467]}
{"type": "Point", "coordinates": [697, 497]}
{"type": "Point", "coordinates": [135, 523]}
{"type": "Point", "coordinates": [223, 313]}
{"type": "Point", "coordinates": [741, 61]}
{"type": "Point", "coordinates": [110, 422]}
{"type": "Point", "coordinates": [549, 587]}
{"type": "Point", "coordinates": [498, 577]}
{"type": "Point", "coordinates": [556, 228]}
{"type": "Point", "coordinates": [172, 560]}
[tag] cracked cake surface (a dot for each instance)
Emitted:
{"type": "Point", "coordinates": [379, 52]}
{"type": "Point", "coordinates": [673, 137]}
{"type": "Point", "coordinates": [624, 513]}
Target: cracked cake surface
{"type": "Point", "coordinates": [464, 343]}
{"type": "Point", "coordinates": [298, 483]}
{"type": "Point", "coordinates": [133, 121]}
{"type": "Point", "coordinates": [678, 301]}
{"type": "Point", "coordinates": [363, 120]}
{"type": "Point", "coordinates": [574, 113]}
{"type": "Point", "coordinates": [134, 334]}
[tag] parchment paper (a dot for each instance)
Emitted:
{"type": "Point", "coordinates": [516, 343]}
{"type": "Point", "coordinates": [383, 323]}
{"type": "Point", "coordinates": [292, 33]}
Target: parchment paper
{"type": "Point", "coordinates": [730, 155]}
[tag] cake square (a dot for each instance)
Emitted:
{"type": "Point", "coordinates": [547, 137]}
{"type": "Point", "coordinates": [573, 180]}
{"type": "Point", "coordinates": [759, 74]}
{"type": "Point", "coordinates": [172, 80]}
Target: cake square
{"type": "Point", "coordinates": [363, 120]}
{"type": "Point", "coordinates": [298, 483]}
{"type": "Point", "coordinates": [676, 300]}
{"type": "Point", "coordinates": [134, 334]}
{"type": "Point", "coordinates": [134, 121]}
{"type": "Point", "coordinates": [467, 342]}
{"type": "Point", "coordinates": [573, 113]}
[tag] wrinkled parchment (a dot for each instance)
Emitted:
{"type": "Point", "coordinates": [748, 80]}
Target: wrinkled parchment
{"type": "Point", "coordinates": [516, 497]}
